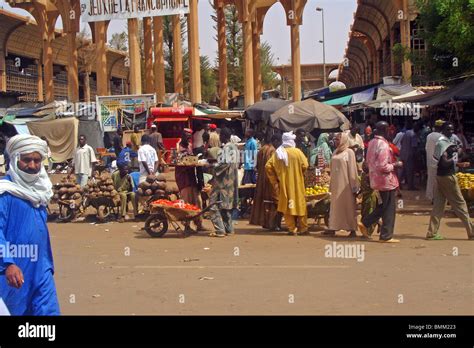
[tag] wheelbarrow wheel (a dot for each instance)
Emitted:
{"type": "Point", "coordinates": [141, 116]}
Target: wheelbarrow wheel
{"type": "Point", "coordinates": [66, 213]}
{"type": "Point", "coordinates": [103, 212]}
{"type": "Point", "coordinates": [156, 225]}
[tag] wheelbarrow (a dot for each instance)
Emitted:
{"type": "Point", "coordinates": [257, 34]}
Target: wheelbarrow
{"type": "Point", "coordinates": [161, 216]}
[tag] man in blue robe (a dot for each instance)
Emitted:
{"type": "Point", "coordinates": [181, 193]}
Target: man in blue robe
{"type": "Point", "coordinates": [26, 261]}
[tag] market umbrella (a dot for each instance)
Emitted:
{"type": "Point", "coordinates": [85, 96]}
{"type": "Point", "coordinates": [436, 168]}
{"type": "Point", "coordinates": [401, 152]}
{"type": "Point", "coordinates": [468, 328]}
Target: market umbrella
{"type": "Point", "coordinates": [262, 110]}
{"type": "Point", "coordinates": [308, 115]}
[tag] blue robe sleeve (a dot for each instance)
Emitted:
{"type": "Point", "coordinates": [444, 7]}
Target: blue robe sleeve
{"type": "Point", "coordinates": [4, 261]}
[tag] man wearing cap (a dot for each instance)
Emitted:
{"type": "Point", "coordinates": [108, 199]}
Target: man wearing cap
{"type": "Point", "coordinates": [156, 140]}
{"type": "Point", "coordinates": [26, 278]}
{"type": "Point", "coordinates": [431, 164]}
{"type": "Point", "coordinates": [447, 189]}
{"type": "Point", "coordinates": [83, 162]}
{"type": "Point", "coordinates": [117, 141]}
{"type": "Point", "coordinates": [126, 156]}
{"type": "Point", "coordinates": [285, 170]}
{"type": "Point", "coordinates": [214, 140]}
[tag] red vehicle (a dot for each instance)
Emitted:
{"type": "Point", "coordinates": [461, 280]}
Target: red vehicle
{"type": "Point", "coordinates": [171, 122]}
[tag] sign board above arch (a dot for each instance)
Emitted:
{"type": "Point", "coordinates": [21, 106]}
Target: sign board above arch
{"type": "Point", "coordinates": [104, 10]}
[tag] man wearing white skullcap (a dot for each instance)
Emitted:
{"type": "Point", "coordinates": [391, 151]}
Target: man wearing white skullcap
{"type": "Point", "coordinates": [26, 261]}
{"type": "Point", "coordinates": [285, 169]}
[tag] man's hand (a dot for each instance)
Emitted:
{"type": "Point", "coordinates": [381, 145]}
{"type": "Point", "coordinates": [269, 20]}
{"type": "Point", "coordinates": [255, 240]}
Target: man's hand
{"type": "Point", "coordinates": [14, 276]}
{"type": "Point", "coordinates": [398, 164]}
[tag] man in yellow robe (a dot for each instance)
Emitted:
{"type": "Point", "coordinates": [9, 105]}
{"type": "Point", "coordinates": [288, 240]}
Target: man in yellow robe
{"type": "Point", "coordinates": [285, 170]}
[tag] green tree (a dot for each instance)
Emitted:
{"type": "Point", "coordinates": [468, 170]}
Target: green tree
{"type": "Point", "coordinates": [208, 80]}
{"type": "Point", "coordinates": [235, 49]}
{"type": "Point", "coordinates": [448, 28]}
{"type": "Point", "coordinates": [119, 41]}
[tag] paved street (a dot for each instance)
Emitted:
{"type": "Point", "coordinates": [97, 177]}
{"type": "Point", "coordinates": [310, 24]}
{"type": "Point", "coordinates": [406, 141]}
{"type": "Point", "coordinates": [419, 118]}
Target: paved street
{"type": "Point", "coordinates": [118, 269]}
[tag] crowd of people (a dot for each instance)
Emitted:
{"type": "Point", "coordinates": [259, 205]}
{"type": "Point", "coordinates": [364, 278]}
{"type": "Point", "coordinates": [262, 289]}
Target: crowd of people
{"type": "Point", "coordinates": [369, 165]}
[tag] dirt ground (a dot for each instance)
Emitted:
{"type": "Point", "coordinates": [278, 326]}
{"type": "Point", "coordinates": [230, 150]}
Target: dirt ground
{"type": "Point", "coordinates": [117, 268]}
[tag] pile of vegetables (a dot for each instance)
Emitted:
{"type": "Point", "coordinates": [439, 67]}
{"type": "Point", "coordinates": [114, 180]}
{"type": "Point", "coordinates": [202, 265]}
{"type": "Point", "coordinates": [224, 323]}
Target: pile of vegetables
{"type": "Point", "coordinates": [67, 189]}
{"type": "Point", "coordinates": [176, 204]}
{"type": "Point", "coordinates": [154, 185]}
{"type": "Point", "coordinates": [101, 186]}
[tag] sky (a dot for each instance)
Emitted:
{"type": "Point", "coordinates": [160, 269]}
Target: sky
{"type": "Point", "coordinates": [338, 16]}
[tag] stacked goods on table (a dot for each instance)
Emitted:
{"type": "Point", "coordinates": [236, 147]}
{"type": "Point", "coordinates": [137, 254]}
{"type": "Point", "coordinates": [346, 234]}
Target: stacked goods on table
{"type": "Point", "coordinates": [316, 176]}
{"type": "Point", "coordinates": [188, 160]}
{"type": "Point", "coordinates": [67, 189]}
{"type": "Point", "coordinates": [316, 183]}
{"type": "Point", "coordinates": [153, 185]}
{"type": "Point", "coordinates": [317, 190]}
{"type": "Point", "coordinates": [465, 180]}
{"type": "Point", "coordinates": [101, 186]}
{"type": "Point", "coordinates": [466, 184]}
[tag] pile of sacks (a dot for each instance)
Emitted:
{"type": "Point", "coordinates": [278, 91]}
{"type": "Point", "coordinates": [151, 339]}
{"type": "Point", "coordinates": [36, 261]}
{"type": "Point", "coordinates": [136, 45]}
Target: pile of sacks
{"type": "Point", "coordinates": [101, 186]}
{"type": "Point", "coordinates": [67, 189]}
{"type": "Point", "coordinates": [153, 185]}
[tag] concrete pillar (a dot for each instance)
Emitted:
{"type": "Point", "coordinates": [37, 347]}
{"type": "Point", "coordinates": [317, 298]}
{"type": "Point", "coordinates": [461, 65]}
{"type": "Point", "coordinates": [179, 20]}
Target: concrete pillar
{"type": "Point", "coordinates": [296, 61]}
{"type": "Point", "coordinates": [3, 72]}
{"type": "Point", "coordinates": [134, 52]}
{"type": "Point", "coordinates": [48, 70]}
{"type": "Point", "coordinates": [72, 69]}
{"type": "Point", "coordinates": [257, 71]}
{"type": "Point", "coordinates": [159, 64]}
{"type": "Point", "coordinates": [384, 59]}
{"type": "Point", "coordinates": [177, 56]}
{"type": "Point", "coordinates": [405, 41]}
{"type": "Point", "coordinates": [392, 60]}
{"type": "Point", "coordinates": [194, 58]}
{"type": "Point", "coordinates": [222, 43]}
{"type": "Point", "coordinates": [87, 86]}
{"type": "Point", "coordinates": [248, 55]}
{"type": "Point", "coordinates": [148, 45]}
{"type": "Point", "coordinates": [100, 29]}
{"type": "Point", "coordinates": [39, 67]}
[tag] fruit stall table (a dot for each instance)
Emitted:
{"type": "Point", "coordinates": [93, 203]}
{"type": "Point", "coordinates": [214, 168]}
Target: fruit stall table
{"type": "Point", "coordinates": [466, 184]}
{"type": "Point", "coordinates": [317, 194]}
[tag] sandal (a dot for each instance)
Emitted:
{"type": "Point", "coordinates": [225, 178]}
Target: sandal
{"type": "Point", "coordinates": [214, 234]}
{"type": "Point", "coordinates": [435, 237]}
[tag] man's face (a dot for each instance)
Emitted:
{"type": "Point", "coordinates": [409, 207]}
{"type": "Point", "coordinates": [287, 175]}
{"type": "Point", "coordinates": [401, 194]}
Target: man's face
{"type": "Point", "coordinates": [30, 163]}
{"type": "Point", "coordinates": [82, 141]}
{"type": "Point", "coordinates": [222, 138]}
{"type": "Point", "coordinates": [123, 170]}
{"type": "Point", "coordinates": [300, 136]}
{"type": "Point", "coordinates": [449, 130]}
{"type": "Point", "coordinates": [354, 131]}
{"type": "Point", "coordinates": [337, 139]}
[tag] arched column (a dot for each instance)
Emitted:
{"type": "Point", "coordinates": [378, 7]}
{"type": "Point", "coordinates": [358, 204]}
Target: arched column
{"type": "Point", "coordinates": [70, 14]}
{"type": "Point", "coordinates": [245, 16]}
{"type": "Point", "coordinates": [159, 63]}
{"type": "Point", "coordinates": [194, 58]}
{"type": "Point", "coordinates": [177, 55]}
{"type": "Point", "coordinates": [222, 48]}
{"type": "Point", "coordinates": [257, 71]}
{"type": "Point", "coordinates": [148, 52]}
{"type": "Point", "coordinates": [294, 10]}
{"type": "Point", "coordinates": [405, 40]}
{"type": "Point", "coordinates": [134, 56]}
